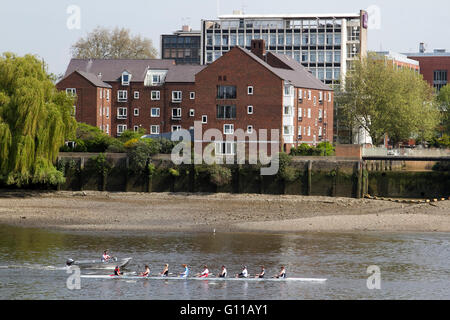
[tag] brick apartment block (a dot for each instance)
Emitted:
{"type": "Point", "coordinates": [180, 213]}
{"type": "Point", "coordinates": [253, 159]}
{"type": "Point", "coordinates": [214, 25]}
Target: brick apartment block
{"type": "Point", "coordinates": [248, 90]}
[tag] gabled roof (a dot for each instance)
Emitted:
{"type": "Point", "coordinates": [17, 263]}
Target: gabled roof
{"type": "Point", "coordinates": [112, 69]}
{"type": "Point", "coordinates": [183, 73]}
{"type": "Point", "coordinates": [92, 78]}
{"type": "Point", "coordinates": [297, 74]}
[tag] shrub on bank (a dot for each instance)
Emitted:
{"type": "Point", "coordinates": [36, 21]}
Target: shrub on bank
{"type": "Point", "coordinates": [322, 149]}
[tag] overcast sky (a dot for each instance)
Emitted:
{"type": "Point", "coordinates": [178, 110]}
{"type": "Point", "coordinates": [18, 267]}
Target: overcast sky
{"type": "Point", "coordinates": [40, 27]}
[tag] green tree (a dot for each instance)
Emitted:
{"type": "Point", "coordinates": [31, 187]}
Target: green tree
{"type": "Point", "coordinates": [383, 99]}
{"type": "Point", "coordinates": [104, 43]}
{"type": "Point", "coordinates": [35, 121]}
{"type": "Point", "coordinates": [443, 99]}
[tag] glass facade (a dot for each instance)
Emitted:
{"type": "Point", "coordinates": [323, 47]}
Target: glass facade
{"type": "Point", "coordinates": [318, 44]}
{"type": "Point", "coordinates": [184, 49]}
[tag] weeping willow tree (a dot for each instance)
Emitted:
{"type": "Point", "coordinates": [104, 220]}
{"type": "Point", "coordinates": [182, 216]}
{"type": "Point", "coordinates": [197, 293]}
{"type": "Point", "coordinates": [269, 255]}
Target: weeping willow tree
{"type": "Point", "coordinates": [35, 121]}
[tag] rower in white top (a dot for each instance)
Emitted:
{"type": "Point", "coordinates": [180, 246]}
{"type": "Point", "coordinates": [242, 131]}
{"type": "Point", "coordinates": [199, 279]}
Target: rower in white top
{"type": "Point", "coordinates": [281, 274]}
{"type": "Point", "coordinates": [223, 273]}
{"type": "Point", "coordinates": [105, 256]}
{"type": "Point", "coordinates": [243, 274]}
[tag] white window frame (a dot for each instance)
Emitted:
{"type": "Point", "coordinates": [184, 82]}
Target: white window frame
{"type": "Point", "coordinates": [177, 96]}
{"type": "Point", "coordinates": [250, 90]}
{"type": "Point", "coordinates": [230, 148]}
{"type": "Point", "coordinates": [289, 109]}
{"type": "Point", "coordinates": [126, 83]}
{"type": "Point", "coordinates": [300, 94]}
{"type": "Point", "coordinates": [315, 101]}
{"type": "Point", "coordinates": [122, 95]}
{"type": "Point", "coordinates": [204, 119]}
{"type": "Point", "coordinates": [249, 109]}
{"type": "Point", "coordinates": [156, 83]}
{"type": "Point", "coordinates": [250, 129]}
{"type": "Point", "coordinates": [329, 96]}
{"type": "Point", "coordinates": [72, 92]}
{"type": "Point", "coordinates": [158, 113]}
{"type": "Point", "coordinates": [107, 94]}
{"type": "Point", "coordinates": [309, 94]}
{"type": "Point", "coordinates": [309, 113]}
{"type": "Point", "coordinates": [300, 131]}
{"type": "Point", "coordinates": [230, 128]}
{"type": "Point", "coordinates": [122, 115]}
{"type": "Point", "coordinates": [155, 95]}
{"type": "Point", "coordinates": [176, 127]}
{"type": "Point", "coordinates": [136, 112]}
{"type": "Point", "coordinates": [107, 128]}
{"type": "Point", "coordinates": [123, 127]}
{"type": "Point", "coordinates": [192, 95]}
{"type": "Point", "coordinates": [320, 96]}
{"type": "Point", "coordinates": [135, 128]}
{"type": "Point", "coordinates": [178, 113]}
{"type": "Point", "coordinates": [107, 112]}
{"type": "Point", "coordinates": [289, 130]}
{"type": "Point", "coordinates": [300, 114]}
{"type": "Point", "coordinates": [136, 95]}
{"type": "Point", "coordinates": [320, 132]}
{"type": "Point", "coordinates": [192, 113]}
{"type": "Point", "coordinates": [309, 131]}
{"type": "Point", "coordinates": [154, 126]}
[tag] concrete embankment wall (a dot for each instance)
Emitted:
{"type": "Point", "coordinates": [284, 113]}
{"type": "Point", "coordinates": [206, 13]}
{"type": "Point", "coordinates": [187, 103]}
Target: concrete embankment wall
{"type": "Point", "coordinates": [313, 176]}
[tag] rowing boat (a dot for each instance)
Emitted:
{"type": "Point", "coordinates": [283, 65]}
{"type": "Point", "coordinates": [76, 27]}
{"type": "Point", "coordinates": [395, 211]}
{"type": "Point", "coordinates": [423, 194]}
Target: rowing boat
{"type": "Point", "coordinates": [98, 264]}
{"type": "Point", "coordinates": [129, 277]}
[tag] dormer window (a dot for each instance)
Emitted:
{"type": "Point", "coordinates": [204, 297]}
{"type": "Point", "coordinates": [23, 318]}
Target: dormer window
{"type": "Point", "coordinates": [156, 79]}
{"type": "Point", "coordinates": [126, 77]}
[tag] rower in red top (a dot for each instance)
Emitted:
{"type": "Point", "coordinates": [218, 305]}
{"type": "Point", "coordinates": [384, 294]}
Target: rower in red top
{"type": "Point", "coordinates": [117, 271]}
{"type": "Point", "coordinates": [205, 272]}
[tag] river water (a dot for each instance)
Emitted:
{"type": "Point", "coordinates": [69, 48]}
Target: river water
{"type": "Point", "coordinates": [412, 265]}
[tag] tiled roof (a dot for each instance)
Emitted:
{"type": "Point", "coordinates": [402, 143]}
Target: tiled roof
{"type": "Point", "coordinates": [183, 73]}
{"type": "Point", "coordinates": [92, 78]}
{"type": "Point", "coordinates": [111, 69]}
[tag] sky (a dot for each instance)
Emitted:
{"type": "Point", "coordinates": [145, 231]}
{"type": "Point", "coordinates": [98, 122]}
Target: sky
{"type": "Point", "coordinates": [48, 28]}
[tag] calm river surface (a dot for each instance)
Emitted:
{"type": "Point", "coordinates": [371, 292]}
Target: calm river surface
{"type": "Point", "coordinates": [413, 265]}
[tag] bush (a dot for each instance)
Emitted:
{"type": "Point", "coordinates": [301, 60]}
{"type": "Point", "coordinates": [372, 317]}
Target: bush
{"type": "Point", "coordinates": [140, 154]}
{"type": "Point", "coordinates": [441, 166]}
{"type": "Point", "coordinates": [322, 149]}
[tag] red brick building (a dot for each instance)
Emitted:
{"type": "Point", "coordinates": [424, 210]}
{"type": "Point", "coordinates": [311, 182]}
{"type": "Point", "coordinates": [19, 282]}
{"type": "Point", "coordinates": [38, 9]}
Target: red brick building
{"type": "Point", "coordinates": [241, 90]}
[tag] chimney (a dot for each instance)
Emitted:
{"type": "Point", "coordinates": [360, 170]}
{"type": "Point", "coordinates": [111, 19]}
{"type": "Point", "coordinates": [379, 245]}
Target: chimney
{"type": "Point", "coordinates": [186, 28]}
{"type": "Point", "coordinates": [422, 47]}
{"type": "Point", "coordinates": [258, 48]}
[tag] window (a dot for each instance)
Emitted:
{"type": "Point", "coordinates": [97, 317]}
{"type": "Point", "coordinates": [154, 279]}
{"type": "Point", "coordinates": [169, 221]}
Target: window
{"type": "Point", "coordinates": [107, 128]}
{"type": "Point", "coordinates": [101, 94]}
{"type": "Point", "coordinates": [226, 112]}
{"type": "Point", "coordinates": [156, 79]}
{"type": "Point", "coordinates": [176, 96]}
{"type": "Point", "coordinates": [126, 79]}
{"type": "Point", "coordinates": [439, 79]}
{"type": "Point", "coordinates": [136, 95]}
{"type": "Point", "coordinates": [136, 128]}
{"type": "Point", "coordinates": [191, 112]}
{"type": "Point", "coordinates": [320, 132]}
{"type": "Point", "coordinates": [250, 110]}
{"type": "Point", "coordinates": [299, 132]}
{"type": "Point", "coordinates": [228, 128]}
{"type": "Point", "coordinates": [249, 129]}
{"type": "Point", "coordinates": [309, 113]}
{"type": "Point", "coordinates": [315, 101]}
{"type": "Point", "coordinates": [121, 128]}
{"type": "Point", "coordinates": [250, 90]}
{"type": "Point", "coordinates": [107, 95]}
{"type": "Point", "coordinates": [122, 95]}
{"type": "Point", "coordinates": [320, 97]}
{"type": "Point", "coordinates": [204, 119]}
{"type": "Point", "coordinates": [320, 115]}
{"type": "Point", "coordinates": [192, 95]}
{"type": "Point", "coordinates": [288, 130]}
{"type": "Point", "coordinates": [155, 95]}
{"type": "Point", "coordinates": [300, 115]}
{"type": "Point", "coordinates": [176, 128]}
{"type": "Point", "coordinates": [74, 110]}
{"type": "Point", "coordinates": [287, 90]}
{"type": "Point", "coordinates": [154, 129]}
{"type": "Point", "coordinates": [226, 148]}
{"type": "Point", "coordinates": [309, 131]}
{"type": "Point", "coordinates": [176, 113]}
{"type": "Point", "coordinates": [71, 92]}
{"type": "Point", "coordinates": [121, 113]}
{"type": "Point", "coordinates": [309, 94]}
{"type": "Point", "coordinates": [226, 92]}
{"type": "Point", "coordinates": [329, 96]}
{"type": "Point", "coordinates": [107, 112]}
{"type": "Point", "coordinates": [154, 113]}
{"type": "Point", "coordinates": [136, 112]}
{"type": "Point", "coordinates": [300, 95]}
{"type": "Point", "coordinates": [287, 111]}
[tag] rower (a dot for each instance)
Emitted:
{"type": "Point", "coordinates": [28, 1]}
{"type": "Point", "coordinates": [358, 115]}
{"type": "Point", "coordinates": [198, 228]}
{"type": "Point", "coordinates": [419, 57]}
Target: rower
{"type": "Point", "coordinates": [205, 272]}
{"type": "Point", "coordinates": [146, 273]}
{"type": "Point", "coordinates": [223, 273]}
{"type": "Point", "coordinates": [117, 271]}
{"type": "Point", "coordinates": [282, 274]}
{"type": "Point", "coordinates": [262, 273]}
{"type": "Point", "coordinates": [243, 274]}
{"type": "Point", "coordinates": [105, 256]}
{"type": "Point", "coordinates": [165, 271]}
{"type": "Point", "coordinates": [185, 273]}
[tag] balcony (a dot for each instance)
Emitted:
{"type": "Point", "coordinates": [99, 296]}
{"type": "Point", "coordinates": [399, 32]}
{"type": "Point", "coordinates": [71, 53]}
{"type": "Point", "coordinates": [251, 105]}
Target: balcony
{"type": "Point", "coordinates": [121, 117]}
{"type": "Point", "coordinates": [300, 118]}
